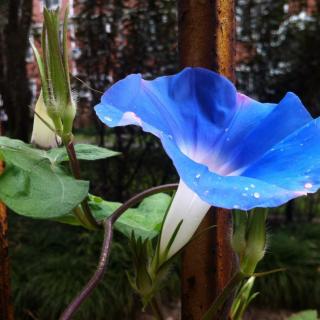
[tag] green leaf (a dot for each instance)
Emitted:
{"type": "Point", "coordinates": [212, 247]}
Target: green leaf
{"type": "Point", "coordinates": [33, 186]}
{"type": "Point", "coordinates": [145, 220]}
{"type": "Point", "coordinates": [305, 315]}
{"type": "Point", "coordinates": [83, 151]}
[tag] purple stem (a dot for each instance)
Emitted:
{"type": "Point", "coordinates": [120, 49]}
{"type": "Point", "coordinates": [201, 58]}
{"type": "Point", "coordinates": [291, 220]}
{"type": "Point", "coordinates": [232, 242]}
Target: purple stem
{"type": "Point", "coordinates": [105, 251]}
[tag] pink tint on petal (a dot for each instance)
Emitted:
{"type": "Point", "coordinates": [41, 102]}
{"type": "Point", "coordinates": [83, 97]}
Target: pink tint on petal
{"type": "Point", "coordinates": [130, 117]}
{"type": "Point", "coordinates": [243, 99]}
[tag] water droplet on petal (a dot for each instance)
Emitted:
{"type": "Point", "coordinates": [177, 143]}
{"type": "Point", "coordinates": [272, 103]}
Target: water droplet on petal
{"type": "Point", "coordinates": [198, 175]}
{"type": "Point", "coordinates": [107, 118]}
{"type": "Point", "coordinates": [256, 195]}
{"type": "Point", "coordinates": [246, 188]}
{"type": "Point", "coordinates": [252, 185]}
{"type": "Point", "coordinates": [308, 185]}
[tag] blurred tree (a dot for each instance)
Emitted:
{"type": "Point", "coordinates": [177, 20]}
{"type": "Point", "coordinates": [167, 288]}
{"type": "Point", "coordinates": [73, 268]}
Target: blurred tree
{"type": "Point", "coordinates": [284, 41]}
{"type": "Point", "coordinates": [285, 36]}
{"type": "Point", "coordinates": [15, 22]}
{"type": "Point", "coordinates": [114, 39]}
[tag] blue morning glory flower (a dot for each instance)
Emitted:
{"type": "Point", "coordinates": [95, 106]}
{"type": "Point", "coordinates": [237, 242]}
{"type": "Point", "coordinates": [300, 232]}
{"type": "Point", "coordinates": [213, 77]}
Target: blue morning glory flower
{"type": "Point", "coordinates": [229, 150]}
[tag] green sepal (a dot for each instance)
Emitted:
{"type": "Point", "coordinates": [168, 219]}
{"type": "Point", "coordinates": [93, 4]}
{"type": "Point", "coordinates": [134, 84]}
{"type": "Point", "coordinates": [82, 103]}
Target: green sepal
{"type": "Point", "coordinates": [57, 72]}
{"type": "Point", "coordinates": [238, 240]}
{"type": "Point", "coordinates": [256, 241]}
{"type": "Point", "coordinates": [42, 72]}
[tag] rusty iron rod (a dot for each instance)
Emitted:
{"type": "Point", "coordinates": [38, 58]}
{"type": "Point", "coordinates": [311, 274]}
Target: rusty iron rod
{"type": "Point", "coordinates": [6, 308]}
{"type": "Point", "coordinates": [206, 39]}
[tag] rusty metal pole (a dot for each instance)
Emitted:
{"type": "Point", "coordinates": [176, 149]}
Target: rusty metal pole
{"type": "Point", "coordinates": [207, 39]}
{"type": "Point", "coordinates": [6, 308]}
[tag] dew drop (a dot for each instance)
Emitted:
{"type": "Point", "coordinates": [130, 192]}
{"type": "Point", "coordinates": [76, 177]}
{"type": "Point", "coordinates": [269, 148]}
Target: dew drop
{"type": "Point", "coordinates": [256, 195]}
{"type": "Point", "coordinates": [107, 118]}
{"type": "Point", "coordinates": [308, 185]}
{"type": "Point", "coordinates": [198, 175]}
{"type": "Point", "coordinates": [252, 185]}
{"type": "Point", "coordinates": [246, 188]}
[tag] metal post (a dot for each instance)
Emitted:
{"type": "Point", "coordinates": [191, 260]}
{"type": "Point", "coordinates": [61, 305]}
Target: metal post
{"type": "Point", "coordinates": [206, 39]}
{"type": "Point", "coordinates": [6, 308]}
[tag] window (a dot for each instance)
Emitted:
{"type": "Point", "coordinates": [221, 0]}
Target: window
{"type": "Point", "coordinates": [34, 90]}
{"type": "Point", "coordinates": [52, 4]}
{"type": "Point", "coordinates": [29, 53]}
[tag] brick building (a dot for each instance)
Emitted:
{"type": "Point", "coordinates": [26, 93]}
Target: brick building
{"type": "Point", "coordinates": [244, 51]}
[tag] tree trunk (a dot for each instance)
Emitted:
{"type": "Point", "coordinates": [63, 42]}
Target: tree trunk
{"type": "Point", "coordinates": [206, 39]}
{"type": "Point", "coordinates": [14, 86]}
{"type": "Point", "coordinates": [6, 308]}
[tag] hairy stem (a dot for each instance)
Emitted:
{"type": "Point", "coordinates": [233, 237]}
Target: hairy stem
{"type": "Point", "coordinates": [97, 276]}
{"type": "Point", "coordinates": [140, 196]}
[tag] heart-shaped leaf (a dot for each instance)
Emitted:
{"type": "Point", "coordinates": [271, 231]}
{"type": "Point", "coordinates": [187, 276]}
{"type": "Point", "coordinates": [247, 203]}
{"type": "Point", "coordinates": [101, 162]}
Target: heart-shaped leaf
{"type": "Point", "coordinates": [34, 186]}
{"type": "Point", "coordinates": [145, 220]}
{"type": "Point", "coordinates": [83, 151]}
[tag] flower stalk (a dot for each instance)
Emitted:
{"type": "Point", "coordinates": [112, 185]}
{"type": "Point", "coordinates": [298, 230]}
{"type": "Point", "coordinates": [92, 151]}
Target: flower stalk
{"type": "Point", "coordinates": [53, 65]}
{"type": "Point", "coordinates": [55, 110]}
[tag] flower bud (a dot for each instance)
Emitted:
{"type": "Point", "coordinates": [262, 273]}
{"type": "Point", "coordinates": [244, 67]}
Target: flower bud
{"type": "Point", "coordinates": [42, 135]}
{"type": "Point", "coordinates": [256, 242]}
{"type": "Point", "coordinates": [54, 73]}
{"type": "Point", "coordinates": [238, 240]}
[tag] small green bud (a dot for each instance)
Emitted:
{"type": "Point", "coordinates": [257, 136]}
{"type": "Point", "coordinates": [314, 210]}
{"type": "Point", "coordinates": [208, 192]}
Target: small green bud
{"type": "Point", "coordinates": [69, 114]}
{"type": "Point", "coordinates": [54, 72]}
{"type": "Point", "coordinates": [256, 241]}
{"type": "Point", "coordinates": [238, 240]}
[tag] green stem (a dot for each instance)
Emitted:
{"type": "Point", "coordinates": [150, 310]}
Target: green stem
{"type": "Point", "coordinates": [78, 212]}
{"type": "Point", "coordinates": [75, 169]}
{"type": "Point", "coordinates": [223, 296]}
{"type": "Point", "coordinates": [156, 309]}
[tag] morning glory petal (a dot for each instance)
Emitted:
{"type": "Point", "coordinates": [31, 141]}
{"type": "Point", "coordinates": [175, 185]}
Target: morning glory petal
{"type": "Point", "coordinates": [230, 192]}
{"type": "Point", "coordinates": [293, 163]}
{"type": "Point", "coordinates": [215, 136]}
{"type": "Point", "coordinates": [288, 116]}
{"type": "Point", "coordinates": [188, 208]}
